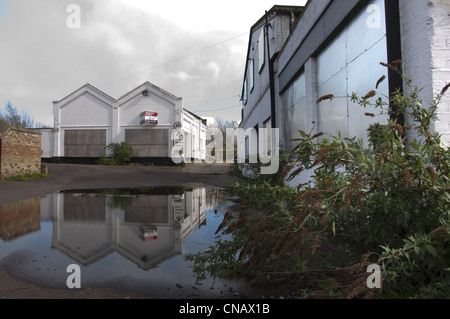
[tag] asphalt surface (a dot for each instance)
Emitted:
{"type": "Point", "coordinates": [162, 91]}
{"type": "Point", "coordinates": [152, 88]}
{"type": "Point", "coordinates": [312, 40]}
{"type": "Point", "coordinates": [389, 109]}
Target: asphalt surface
{"type": "Point", "coordinates": [66, 177]}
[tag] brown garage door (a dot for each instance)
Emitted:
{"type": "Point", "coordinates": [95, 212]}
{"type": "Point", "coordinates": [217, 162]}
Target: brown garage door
{"type": "Point", "coordinates": [153, 209]}
{"type": "Point", "coordinates": [85, 143]}
{"type": "Point", "coordinates": [148, 143]}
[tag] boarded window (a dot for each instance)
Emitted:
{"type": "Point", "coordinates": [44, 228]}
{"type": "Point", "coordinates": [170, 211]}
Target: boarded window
{"type": "Point", "coordinates": [85, 143]}
{"type": "Point", "coordinates": [84, 208]}
{"type": "Point", "coordinates": [148, 143]}
{"type": "Point", "coordinates": [139, 212]}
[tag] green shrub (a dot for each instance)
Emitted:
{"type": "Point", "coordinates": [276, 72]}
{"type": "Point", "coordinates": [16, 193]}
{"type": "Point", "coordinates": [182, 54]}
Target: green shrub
{"type": "Point", "coordinates": [26, 177]}
{"type": "Point", "coordinates": [387, 203]}
{"type": "Point", "coordinates": [121, 155]}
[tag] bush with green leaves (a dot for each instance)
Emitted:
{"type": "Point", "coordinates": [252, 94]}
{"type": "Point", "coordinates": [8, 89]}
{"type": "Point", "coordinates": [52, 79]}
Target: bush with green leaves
{"type": "Point", "coordinates": [121, 154]}
{"type": "Point", "coordinates": [386, 203]}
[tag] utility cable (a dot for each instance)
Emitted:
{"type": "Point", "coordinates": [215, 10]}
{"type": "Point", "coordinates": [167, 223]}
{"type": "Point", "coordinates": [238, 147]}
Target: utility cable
{"type": "Point", "coordinates": [174, 60]}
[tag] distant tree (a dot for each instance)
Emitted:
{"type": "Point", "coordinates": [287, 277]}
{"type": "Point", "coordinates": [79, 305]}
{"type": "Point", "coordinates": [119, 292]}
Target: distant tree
{"type": "Point", "coordinates": [3, 124]}
{"type": "Point", "coordinates": [217, 123]}
{"type": "Point", "coordinates": [226, 124]}
{"type": "Point", "coordinates": [11, 117]}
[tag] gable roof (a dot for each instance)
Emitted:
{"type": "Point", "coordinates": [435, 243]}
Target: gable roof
{"type": "Point", "coordinates": [150, 87]}
{"type": "Point", "coordinates": [86, 88]}
{"type": "Point", "coordinates": [123, 99]}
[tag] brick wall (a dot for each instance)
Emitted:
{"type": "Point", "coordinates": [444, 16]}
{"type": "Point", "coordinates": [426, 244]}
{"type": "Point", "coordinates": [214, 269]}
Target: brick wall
{"type": "Point", "coordinates": [20, 152]}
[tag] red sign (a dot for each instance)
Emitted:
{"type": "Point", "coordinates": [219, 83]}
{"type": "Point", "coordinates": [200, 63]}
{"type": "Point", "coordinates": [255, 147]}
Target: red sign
{"type": "Point", "coordinates": [149, 118]}
{"type": "Point", "coordinates": [146, 113]}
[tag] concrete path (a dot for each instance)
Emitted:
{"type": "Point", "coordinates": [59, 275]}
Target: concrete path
{"type": "Point", "coordinates": [67, 177]}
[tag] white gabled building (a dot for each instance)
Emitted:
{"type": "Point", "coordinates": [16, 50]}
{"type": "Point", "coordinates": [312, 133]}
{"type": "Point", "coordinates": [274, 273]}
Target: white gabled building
{"type": "Point", "coordinates": [87, 120]}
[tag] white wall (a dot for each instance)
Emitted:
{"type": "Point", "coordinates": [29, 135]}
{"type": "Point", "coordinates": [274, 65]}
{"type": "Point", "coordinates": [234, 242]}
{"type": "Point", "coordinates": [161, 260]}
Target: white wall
{"type": "Point", "coordinates": [425, 31]}
{"type": "Point", "coordinates": [130, 111]}
{"type": "Point", "coordinates": [46, 143]}
{"type": "Point", "coordinates": [85, 111]}
{"type": "Point", "coordinates": [194, 130]}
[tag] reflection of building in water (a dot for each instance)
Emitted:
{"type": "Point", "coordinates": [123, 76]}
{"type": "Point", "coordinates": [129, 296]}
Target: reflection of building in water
{"type": "Point", "coordinates": [20, 218]}
{"type": "Point", "coordinates": [145, 228]}
{"type": "Point", "coordinates": [215, 198]}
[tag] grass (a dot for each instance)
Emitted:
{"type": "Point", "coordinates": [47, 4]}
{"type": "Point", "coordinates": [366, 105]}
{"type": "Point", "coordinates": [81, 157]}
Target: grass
{"type": "Point", "coordinates": [25, 177]}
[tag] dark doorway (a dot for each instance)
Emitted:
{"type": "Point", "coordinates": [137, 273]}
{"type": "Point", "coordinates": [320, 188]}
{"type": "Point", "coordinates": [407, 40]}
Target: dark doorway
{"type": "Point", "coordinates": [0, 159]}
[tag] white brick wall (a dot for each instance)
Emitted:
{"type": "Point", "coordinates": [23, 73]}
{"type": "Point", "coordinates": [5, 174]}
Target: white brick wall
{"type": "Point", "coordinates": [425, 30]}
{"type": "Point", "coordinates": [440, 45]}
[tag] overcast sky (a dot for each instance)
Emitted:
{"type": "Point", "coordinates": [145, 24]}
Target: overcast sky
{"type": "Point", "coordinates": [194, 49]}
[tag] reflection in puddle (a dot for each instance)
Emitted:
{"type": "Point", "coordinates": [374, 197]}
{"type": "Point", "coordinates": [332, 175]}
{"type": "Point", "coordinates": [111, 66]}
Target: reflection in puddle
{"type": "Point", "coordinates": [145, 226]}
{"type": "Point", "coordinates": [17, 219]}
{"type": "Point", "coordinates": [134, 235]}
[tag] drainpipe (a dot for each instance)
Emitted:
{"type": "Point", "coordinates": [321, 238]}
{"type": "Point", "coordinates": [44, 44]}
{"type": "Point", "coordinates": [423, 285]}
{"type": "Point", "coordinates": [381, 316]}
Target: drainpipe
{"type": "Point", "coordinates": [271, 74]}
{"type": "Point", "coordinates": [394, 50]}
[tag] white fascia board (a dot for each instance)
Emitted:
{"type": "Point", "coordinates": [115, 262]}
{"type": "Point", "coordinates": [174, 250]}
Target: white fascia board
{"type": "Point", "coordinates": [83, 90]}
{"type": "Point", "coordinates": [166, 96]}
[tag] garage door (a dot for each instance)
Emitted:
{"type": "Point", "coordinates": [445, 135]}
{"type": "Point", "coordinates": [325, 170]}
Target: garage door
{"type": "Point", "coordinates": [148, 143]}
{"type": "Point", "coordinates": [86, 143]}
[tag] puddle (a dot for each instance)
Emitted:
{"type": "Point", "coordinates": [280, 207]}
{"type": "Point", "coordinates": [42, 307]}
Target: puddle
{"type": "Point", "coordinates": [133, 239]}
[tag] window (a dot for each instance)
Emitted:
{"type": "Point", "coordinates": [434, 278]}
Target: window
{"type": "Point", "coordinates": [351, 64]}
{"type": "Point", "coordinates": [256, 128]}
{"type": "Point", "coordinates": [251, 75]}
{"type": "Point", "coordinates": [294, 102]}
{"type": "Point", "coordinates": [244, 98]}
{"type": "Point", "coordinates": [247, 148]}
{"type": "Point", "coordinates": [261, 50]}
{"type": "Point", "coordinates": [268, 138]}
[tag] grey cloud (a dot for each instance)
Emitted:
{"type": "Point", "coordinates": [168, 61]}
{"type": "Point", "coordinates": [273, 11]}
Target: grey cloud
{"type": "Point", "coordinates": [116, 49]}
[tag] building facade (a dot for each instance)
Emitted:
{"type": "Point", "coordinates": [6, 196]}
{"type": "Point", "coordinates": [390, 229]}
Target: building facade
{"type": "Point", "coordinates": [88, 120]}
{"type": "Point", "coordinates": [336, 48]}
{"type": "Point", "coordinates": [20, 152]}
{"type": "Point", "coordinates": [263, 49]}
